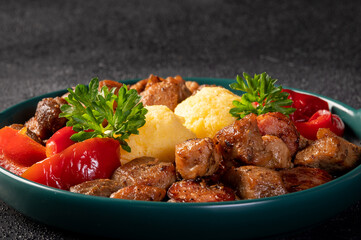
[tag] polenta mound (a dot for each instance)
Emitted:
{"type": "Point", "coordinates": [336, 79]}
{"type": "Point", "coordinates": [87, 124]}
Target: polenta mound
{"type": "Point", "coordinates": [207, 112]}
{"type": "Point", "coordinates": [158, 137]}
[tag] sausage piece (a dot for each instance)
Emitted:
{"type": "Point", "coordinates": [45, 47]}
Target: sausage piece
{"type": "Point", "coordinates": [195, 191]}
{"type": "Point", "coordinates": [277, 124]}
{"type": "Point", "coordinates": [140, 192]}
{"type": "Point", "coordinates": [301, 178]}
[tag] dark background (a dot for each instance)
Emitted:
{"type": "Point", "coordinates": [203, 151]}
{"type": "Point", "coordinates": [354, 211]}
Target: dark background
{"type": "Point", "coordinates": [51, 45]}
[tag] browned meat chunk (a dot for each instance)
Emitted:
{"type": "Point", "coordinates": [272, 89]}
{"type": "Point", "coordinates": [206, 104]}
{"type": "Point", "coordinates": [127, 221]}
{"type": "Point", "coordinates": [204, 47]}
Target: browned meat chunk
{"type": "Point", "coordinates": [277, 124]}
{"type": "Point", "coordinates": [46, 120]}
{"type": "Point", "coordinates": [183, 91]}
{"type": "Point", "coordinates": [324, 132]}
{"type": "Point", "coordinates": [304, 142]}
{"type": "Point", "coordinates": [169, 92]}
{"type": "Point", "coordinates": [153, 80]}
{"type": "Point", "coordinates": [27, 132]}
{"type": "Point", "coordinates": [281, 153]}
{"type": "Point", "coordinates": [196, 88]}
{"type": "Point", "coordinates": [255, 182]}
{"type": "Point", "coordinates": [177, 79]}
{"type": "Point", "coordinates": [197, 158]}
{"type": "Point", "coordinates": [329, 152]}
{"type": "Point", "coordinates": [140, 192]}
{"type": "Point", "coordinates": [163, 93]}
{"type": "Point", "coordinates": [110, 84]}
{"type": "Point", "coordinates": [33, 126]}
{"type": "Point", "coordinates": [141, 85]}
{"type": "Point", "coordinates": [194, 191]}
{"type": "Point", "coordinates": [158, 91]}
{"type": "Point", "coordinates": [301, 178]}
{"type": "Point", "coordinates": [146, 171]}
{"type": "Point", "coordinates": [98, 187]}
{"type": "Point", "coordinates": [192, 86]}
{"type": "Point", "coordinates": [243, 142]}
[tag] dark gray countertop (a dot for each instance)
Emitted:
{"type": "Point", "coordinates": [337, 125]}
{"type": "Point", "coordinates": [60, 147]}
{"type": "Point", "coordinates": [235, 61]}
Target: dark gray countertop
{"type": "Point", "coordinates": [47, 46]}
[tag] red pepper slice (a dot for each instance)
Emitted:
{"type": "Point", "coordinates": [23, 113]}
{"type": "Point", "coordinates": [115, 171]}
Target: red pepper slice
{"type": "Point", "coordinates": [321, 119]}
{"type": "Point", "coordinates": [59, 141]}
{"type": "Point", "coordinates": [306, 105]}
{"type": "Point", "coordinates": [84, 161]}
{"type": "Point", "coordinates": [18, 151]}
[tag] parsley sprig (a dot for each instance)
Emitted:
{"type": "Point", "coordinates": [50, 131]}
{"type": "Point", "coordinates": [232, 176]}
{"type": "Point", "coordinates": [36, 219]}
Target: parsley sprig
{"type": "Point", "coordinates": [261, 96]}
{"type": "Point", "coordinates": [88, 108]}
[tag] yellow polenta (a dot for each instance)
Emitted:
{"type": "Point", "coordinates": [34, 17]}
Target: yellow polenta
{"type": "Point", "coordinates": [158, 137]}
{"type": "Point", "coordinates": [207, 112]}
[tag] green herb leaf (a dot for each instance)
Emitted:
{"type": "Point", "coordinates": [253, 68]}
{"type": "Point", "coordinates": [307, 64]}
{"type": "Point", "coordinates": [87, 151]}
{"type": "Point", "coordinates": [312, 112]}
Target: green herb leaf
{"type": "Point", "coordinates": [88, 109]}
{"type": "Point", "coordinates": [260, 96]}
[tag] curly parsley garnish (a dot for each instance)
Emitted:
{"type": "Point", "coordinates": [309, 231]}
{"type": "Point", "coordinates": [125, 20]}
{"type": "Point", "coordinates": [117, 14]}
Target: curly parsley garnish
{"type": "Point", "coordinates": [261, 96]}
{"type": "Point", "coordinates": [88, 109]}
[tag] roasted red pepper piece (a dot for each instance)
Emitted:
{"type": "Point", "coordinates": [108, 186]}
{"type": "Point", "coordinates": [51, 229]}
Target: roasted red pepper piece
{"type": "Point", "coordinates": [59, 141]}
{"type": "Point", "coordinates": [84, 161]}
{"type": "Point", "coordinates": [306, 105]}
{"type": "Point", "coordinates": [18, 151]}
{"type": "Point", "coordinates": [321, 119]}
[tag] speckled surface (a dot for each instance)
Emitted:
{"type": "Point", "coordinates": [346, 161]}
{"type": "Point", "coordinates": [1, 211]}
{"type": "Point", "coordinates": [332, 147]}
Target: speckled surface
{"type": "Point", "coordinates": [51, 45]}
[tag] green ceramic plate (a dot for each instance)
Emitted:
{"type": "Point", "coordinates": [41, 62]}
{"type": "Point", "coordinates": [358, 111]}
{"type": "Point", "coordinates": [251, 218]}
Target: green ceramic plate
{"type": "Point", "coordinates": [153, 220]}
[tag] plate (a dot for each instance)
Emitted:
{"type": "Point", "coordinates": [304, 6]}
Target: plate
{"type": "Point", "coordinates": [119, 218]}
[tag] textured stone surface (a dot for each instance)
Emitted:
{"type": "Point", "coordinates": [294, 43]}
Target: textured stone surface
{"type": "Point", "coordinates": [51, 45]}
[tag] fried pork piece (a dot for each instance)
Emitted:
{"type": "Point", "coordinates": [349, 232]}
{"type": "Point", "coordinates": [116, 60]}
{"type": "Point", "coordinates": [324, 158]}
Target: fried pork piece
{"type": "Point", "coordinates": [98, 187]}
{"type": "Point", "coordinates": [195, 191]}
{"type": "Point", "coordinates": [192, 86]}
{"type": "Point", "coordinates": [140, 192]}
{"type": "Point", "coordinates": [169, 92]}
{"type": "Point", "coordinates": [242, 142]}
{"type": "Point", "coordinates": [255, 182]}
{"type": "Point", "coordinates": [301, 178]}
{"type": "Point", "coordinates": [110, 84]}
{"type": "Point", "coordinates": [146, 171]}
{"type": "Point", "coordinates": [46, 120]}
{"type": "Point", "coordinates": [197, 158]}
{"type": "Point", "coordinates": [141, 85]}
{"type": "Point", "coordinates": [277, 124]}
{"type": "Point", "coordinates": [329, 152]}
{"type": "Point", "coordinates": [196, 88]}
{"type": "Point", "coordinates": [281, 153]}
{"type": "Point", "coordinates": [28, 132]}
{"type": "Point", "coordinates": [304, 142]}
